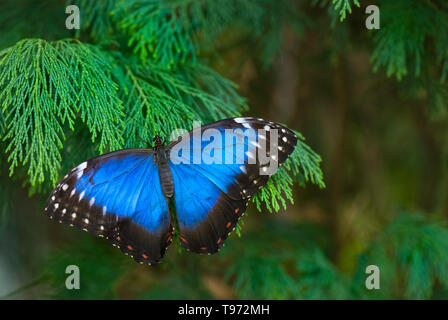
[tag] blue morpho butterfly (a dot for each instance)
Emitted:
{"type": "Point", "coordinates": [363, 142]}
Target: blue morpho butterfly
{"type": "Point", "coordinates": [127, 196]}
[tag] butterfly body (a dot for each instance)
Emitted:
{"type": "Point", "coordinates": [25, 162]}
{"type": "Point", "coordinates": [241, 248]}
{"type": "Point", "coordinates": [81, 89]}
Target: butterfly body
{"type": "Point", "coordinates": [165, 175]}
{"type": "Point", "coordinates": [125, 195]}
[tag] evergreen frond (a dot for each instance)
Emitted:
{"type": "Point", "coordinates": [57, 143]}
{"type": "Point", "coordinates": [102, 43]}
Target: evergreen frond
{"type": "Point", "coordinates": [273, 194]}
{"type": "Point", "coordinates": [412, 251]}
{"type": "Point", "coordinates": [172, 32]}
{"type": "Point", "coordinates": [96, 18]}
{"type": "Point", "coordinates": [162, 31]}
{"type": "Point", "coordinates": [43, 90]}
{"type": "Point", "coordinates": [303, 164]}
{"type": "Point", "coordinates": [344, 7]}
{"type": "Point", "coordinates": [319, 279]}
{"type": "Point", "coordinates": [295, 272]}
{"type": "Point", "coordinates": [338, 7]}
{"type": "Point", "coordinates": [151, 110]}
{"type": "Point", "coordinates": [209, 94]}
{"type": "Point", "coordinates": [401, 41]}
{"type": "Point", "coordinates": [160, 101]}
{"type": "Point", "coordinates": [138, 68]}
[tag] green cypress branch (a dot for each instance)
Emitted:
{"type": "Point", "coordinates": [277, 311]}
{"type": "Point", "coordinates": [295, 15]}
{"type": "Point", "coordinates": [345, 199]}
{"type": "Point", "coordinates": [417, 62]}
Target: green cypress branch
{"type": "Point", "coordinates": [410, 251]}
{"type": "Point", "coordinates": [303, 165]}
{"type": "Point", "coordinates": [344, 7]}
{"type": "Point", "coordinates": [337, 7]}
{"type": "Point", "coordinates": [401, 42]}
{"type": "Point", "coordinates": [44, 86]}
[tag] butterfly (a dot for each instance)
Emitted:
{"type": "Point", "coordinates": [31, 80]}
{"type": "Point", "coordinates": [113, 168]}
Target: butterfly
{"type": "Point", "coordinates": [197, 186]}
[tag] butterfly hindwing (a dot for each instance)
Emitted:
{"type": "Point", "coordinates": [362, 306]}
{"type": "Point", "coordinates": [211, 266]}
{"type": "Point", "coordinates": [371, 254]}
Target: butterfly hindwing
{"type": "Point", "coordinates": [211, 197]}
{"type": "Point", "coordinates": [205, 214]}
{"type": "Point", "coordinates": [117, 196]}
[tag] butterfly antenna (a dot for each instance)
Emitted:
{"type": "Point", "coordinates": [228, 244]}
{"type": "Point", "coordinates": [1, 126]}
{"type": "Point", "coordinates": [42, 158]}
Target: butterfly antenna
{"type": "Point", "coordinates": [148, 144]}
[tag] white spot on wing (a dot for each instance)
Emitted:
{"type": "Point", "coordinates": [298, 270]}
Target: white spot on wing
{"type": "Point", "coordinates": [82, 166]}
{"type": "Point", "coordinates": [92, 201]}
{"type": "Point", "coordinates": [81, 195]}
{"type": "Point", "coordinates": [239, 120]}
{"type": "Point", "coordinates": [64, 186]}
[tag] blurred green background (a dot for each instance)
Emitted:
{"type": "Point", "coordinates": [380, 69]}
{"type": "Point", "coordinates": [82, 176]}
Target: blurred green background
{"type": "Point", "coordinates": [371, 103]}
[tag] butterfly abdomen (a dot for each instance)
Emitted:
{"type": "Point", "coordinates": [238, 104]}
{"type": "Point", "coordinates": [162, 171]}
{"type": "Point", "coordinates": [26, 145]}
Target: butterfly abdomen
{"type": "Point", "coordinates": [166, 178]}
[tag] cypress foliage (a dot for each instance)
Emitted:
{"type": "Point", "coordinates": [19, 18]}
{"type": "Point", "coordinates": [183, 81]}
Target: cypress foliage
{"type": "Point", "coordinates": [138, 68]}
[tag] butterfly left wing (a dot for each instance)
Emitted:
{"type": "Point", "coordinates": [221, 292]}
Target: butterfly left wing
{"type": "Point", "coordinates": [210, 197]}
{"type": "Point", "coordinates": [118, 196]}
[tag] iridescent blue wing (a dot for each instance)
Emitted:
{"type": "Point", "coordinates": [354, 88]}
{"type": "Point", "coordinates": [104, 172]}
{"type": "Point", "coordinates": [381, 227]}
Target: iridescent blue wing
{"type": "Point", "coordinates": [205, 214]}
{"type": "Point", "coordinates": [210, 196]}
{"type": "Point", "coordinates": [118, 196]}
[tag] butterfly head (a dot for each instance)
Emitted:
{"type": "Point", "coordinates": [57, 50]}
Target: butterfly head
{"type": "Point", "coordinates": [158, 142]}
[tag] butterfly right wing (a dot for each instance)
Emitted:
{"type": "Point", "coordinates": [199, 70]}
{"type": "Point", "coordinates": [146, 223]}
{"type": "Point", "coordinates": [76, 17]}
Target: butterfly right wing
{"type": "Point", "coordinates": [210, 197]}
